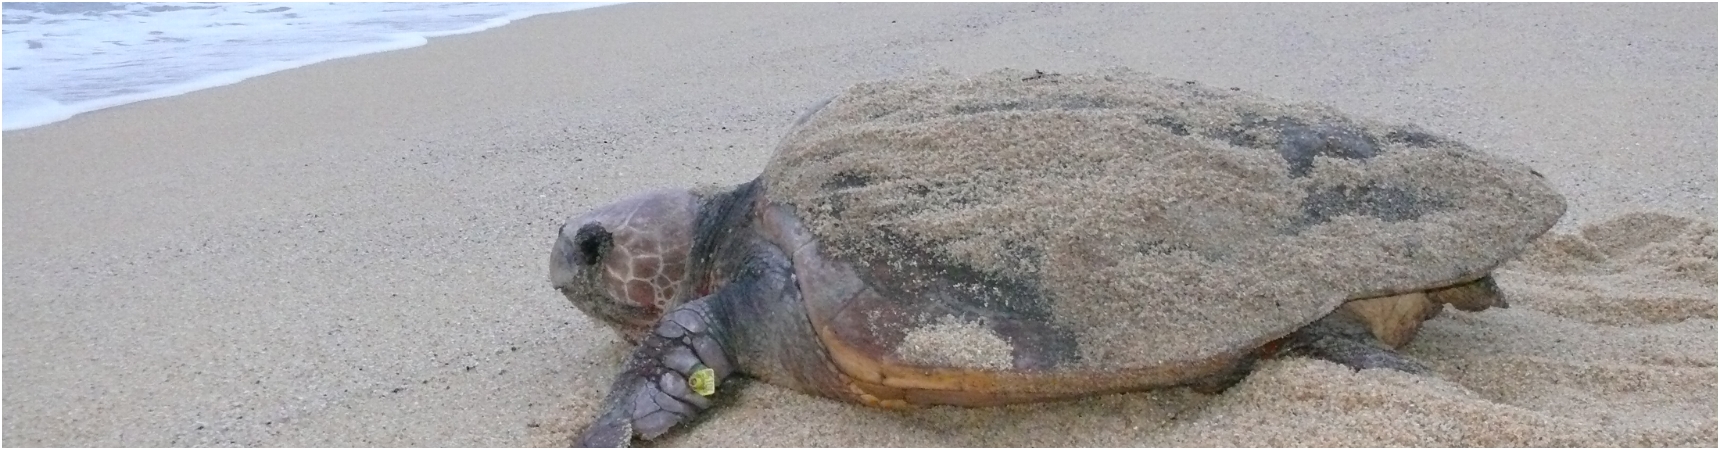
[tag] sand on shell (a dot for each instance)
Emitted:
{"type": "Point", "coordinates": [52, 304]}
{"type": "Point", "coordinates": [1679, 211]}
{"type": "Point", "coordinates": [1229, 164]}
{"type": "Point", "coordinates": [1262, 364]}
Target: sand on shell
{"type": "Point", "coordinates": [351, 253]}
{"type": "Point", "coordinates": [1156, 221]}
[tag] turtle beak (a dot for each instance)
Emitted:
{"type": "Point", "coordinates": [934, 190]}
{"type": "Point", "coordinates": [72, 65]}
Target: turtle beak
{"type": "Point", "coordinates": [563, 265]}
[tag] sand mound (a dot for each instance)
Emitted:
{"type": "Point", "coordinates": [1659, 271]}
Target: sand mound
{"type": "Point", "coordinates": [1303, 403]}
{"type": "Point", "coordinates": [1610, 341]}
{"type": "Point", "coordinates": [1307, 403]}
{"type": "Point", "coordinates": [1639, 268]}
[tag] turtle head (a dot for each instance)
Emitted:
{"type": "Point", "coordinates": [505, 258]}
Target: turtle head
{"type": "Point", "coordinates": [626, 263]}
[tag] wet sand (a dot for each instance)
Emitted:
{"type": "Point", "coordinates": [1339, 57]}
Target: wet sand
{"type": "Point", "coordinates": [352, 253]}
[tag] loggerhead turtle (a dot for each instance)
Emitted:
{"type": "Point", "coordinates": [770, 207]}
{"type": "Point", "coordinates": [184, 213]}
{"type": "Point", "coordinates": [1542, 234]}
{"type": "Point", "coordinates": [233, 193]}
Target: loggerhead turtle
{"type": "Point", "coordinates": [1018, 237]}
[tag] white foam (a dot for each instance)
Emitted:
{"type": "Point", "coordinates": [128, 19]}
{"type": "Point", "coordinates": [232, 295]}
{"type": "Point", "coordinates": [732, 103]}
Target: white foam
{"type": "Point", "coordinates": [61, 63]}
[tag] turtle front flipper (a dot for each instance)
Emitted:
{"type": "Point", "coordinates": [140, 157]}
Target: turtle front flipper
{"type": "Point", "coordinates": [666, 380]}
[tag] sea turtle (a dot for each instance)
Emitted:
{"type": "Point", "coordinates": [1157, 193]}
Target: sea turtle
{"type": "Point", "coordinates": [1015, 237]}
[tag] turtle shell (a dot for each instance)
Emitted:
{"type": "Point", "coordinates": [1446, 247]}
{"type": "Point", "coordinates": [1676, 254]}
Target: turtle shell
{"type": "Point", "coordinates": [1093, 222]}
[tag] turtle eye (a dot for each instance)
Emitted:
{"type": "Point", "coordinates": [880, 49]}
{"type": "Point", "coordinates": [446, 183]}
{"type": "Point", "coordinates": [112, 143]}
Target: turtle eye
{"type": "Point", "coordinates": [592, 241]}
{"type": "Point", "coordinates": [573, 260]}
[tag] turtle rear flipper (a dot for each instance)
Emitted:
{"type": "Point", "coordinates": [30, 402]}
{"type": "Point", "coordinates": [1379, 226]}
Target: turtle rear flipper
{"type": "Point", "coordinates": [1345, 338]}
{"type": "Point", "coordinates": [1473, 296]}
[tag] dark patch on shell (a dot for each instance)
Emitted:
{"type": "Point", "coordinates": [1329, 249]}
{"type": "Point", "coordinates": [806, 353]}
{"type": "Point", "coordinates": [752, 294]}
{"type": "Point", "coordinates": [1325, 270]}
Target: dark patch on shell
{"type": "Point", "coordinates": [1021, 258]}
{"type": "Point", "coordinates": [1299, 143]}
{"type": "Point", "coordinates": [1247, 133]}
{"type": "Point", "coordinates": [1018, 309]}
{"type": "Point", "coordinates": [1387, 203]}
{"type": "Point", "coordinates": [1413, 138]}
{"type": "Point", "coordinates": [1176, 127]}
{"type": "Point", "coordinates": [847, 179]}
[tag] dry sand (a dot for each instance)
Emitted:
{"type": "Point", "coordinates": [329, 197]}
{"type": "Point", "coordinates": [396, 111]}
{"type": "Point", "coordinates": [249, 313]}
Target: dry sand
{"type": "Point", "coordinates": [352, 253]}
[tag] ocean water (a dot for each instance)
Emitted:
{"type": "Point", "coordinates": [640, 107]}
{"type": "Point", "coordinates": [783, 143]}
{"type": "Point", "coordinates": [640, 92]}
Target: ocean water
{"type": "Point", "coordinates": [63, 59]}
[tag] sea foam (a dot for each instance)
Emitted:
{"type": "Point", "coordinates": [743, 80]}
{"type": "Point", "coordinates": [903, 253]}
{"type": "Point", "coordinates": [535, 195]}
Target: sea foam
{"type": "Point", "coordinates": [64, 59]}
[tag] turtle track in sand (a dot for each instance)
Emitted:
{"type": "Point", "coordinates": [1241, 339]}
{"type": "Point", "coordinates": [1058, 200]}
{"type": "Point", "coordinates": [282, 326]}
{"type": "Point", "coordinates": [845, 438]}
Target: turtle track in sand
{"type": "Point", "coordinates": [1635, 269]}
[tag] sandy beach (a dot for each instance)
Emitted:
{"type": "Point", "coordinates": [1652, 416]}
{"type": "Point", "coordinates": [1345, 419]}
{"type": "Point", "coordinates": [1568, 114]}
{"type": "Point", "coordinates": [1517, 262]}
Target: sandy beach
{"type": "Point", "coordinates": [353, 253]}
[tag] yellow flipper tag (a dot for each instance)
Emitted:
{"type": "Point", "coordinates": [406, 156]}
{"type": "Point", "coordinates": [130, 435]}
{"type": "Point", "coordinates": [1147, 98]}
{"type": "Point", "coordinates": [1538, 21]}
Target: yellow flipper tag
{"type": "Point", "coordinates": [703, 381]}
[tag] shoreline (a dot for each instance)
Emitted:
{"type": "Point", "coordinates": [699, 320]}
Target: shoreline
{"type": "Point", "coordinates": [331, 256]}
{"type": "Point", "coordinates": [401, 41]}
